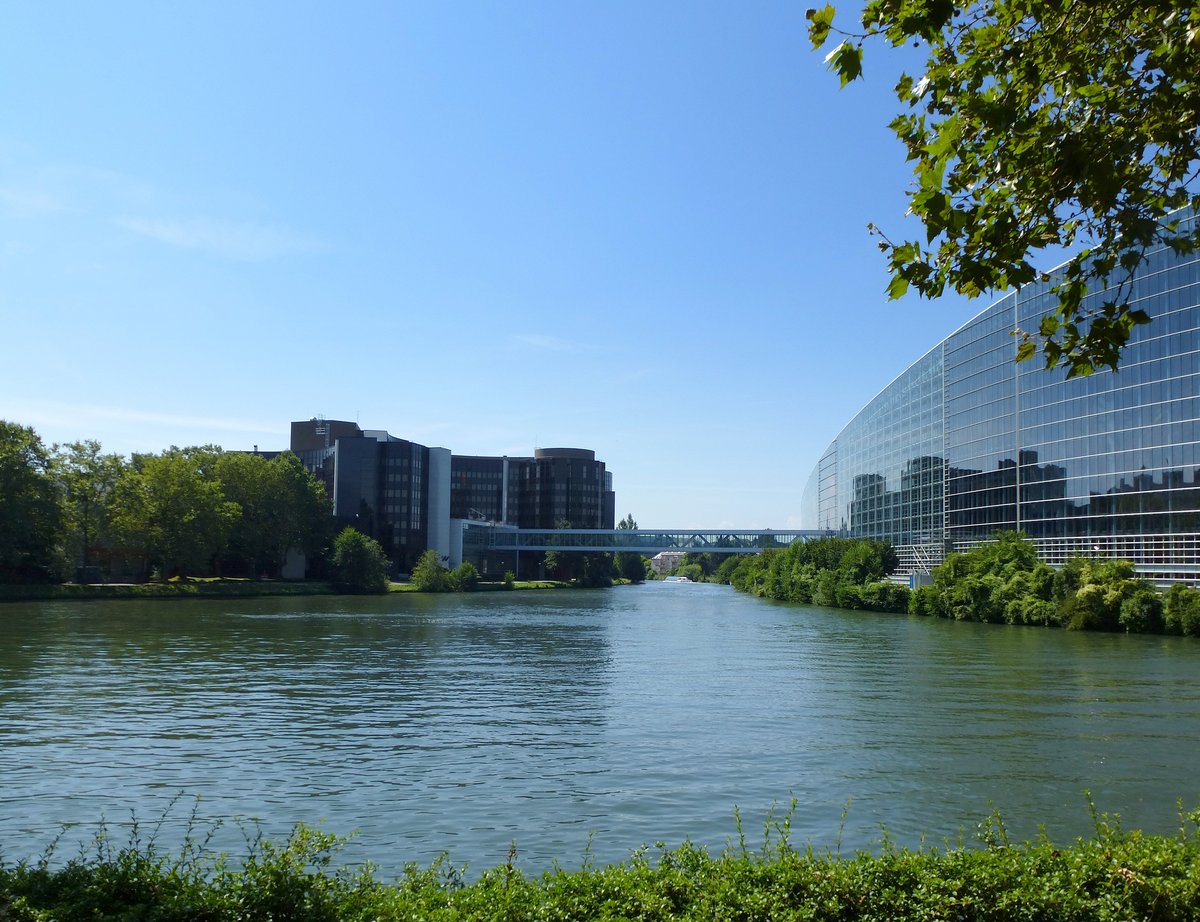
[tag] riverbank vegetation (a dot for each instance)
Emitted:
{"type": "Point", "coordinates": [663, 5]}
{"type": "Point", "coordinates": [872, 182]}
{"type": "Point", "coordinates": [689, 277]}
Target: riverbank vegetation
{"type": "Point", "coordinates": [73, 511]}
{"type": "Point", "coordinates": [75, 517]}
{"type": "Point", "coordinates": [1003, 582]}
{"type": "Point", "coordinates": [431, 575]}
{"type": "Point", "coordinates": [1112, 875]}
{"type": "Point", "coordinates": [837, 572]}
{"type": "Point", "coordinates": [999, 582]}
{"type": "Point", "coordinates": [207, 588]}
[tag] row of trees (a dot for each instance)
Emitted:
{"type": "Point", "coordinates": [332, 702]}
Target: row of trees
{"type": "Point", "coordinates": [839, 572]}
{"type": "Point", "coordinates": [74, 508]}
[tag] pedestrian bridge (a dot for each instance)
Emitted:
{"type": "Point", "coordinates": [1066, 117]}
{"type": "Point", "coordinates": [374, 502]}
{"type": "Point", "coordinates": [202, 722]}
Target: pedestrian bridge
{"type": "Point", "coordinates": [648, 541]}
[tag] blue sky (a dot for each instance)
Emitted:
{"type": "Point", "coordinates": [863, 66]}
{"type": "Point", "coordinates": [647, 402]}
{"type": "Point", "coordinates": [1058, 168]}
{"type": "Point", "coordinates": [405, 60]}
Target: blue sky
{"type": "Point", "coordinates": [638, 228]}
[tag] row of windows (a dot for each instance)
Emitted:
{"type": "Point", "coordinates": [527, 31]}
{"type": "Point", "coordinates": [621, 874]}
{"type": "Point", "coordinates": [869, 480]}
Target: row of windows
{"type": "Point", "coordinates": [886, 439]}
{"type": "Point", "coordinates": [1141, 523]}
{"type": "Point", "coordinates": [1132, 450]}
{"type": "Point", "coordinates": [1135, 406]}
{"type": "Point", "coordinates": [1140, 503]}
{"type": "Point", "coordinates": [1036, 391]}
{"type": "Point", "coordinates": [1091, 447]}
{"type": "Point", "coordinates": [991, 382]}
{"type": "Point", "coordinates": [1158, 464]}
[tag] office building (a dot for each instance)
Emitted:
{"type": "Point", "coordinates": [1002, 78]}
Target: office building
{"type": "Point", "coordinates": [404, 494]}
{"type": "Point", "coordinates": [557, 487]}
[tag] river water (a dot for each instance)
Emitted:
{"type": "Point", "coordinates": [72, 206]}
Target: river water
{"type": "Point", "coordinates": [578, 722]}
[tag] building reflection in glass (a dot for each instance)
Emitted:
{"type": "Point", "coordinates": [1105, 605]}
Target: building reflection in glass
{"type": "Point", "coordinates": [966, 441]}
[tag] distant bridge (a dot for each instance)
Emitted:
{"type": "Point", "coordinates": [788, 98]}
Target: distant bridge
{"type": "Point", "coordinates": [649, 541]}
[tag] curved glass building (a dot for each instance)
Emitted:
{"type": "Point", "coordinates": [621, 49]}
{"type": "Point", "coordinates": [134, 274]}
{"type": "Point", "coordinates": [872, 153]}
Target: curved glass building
{"type": "Point", "coordinates": [967, 441]}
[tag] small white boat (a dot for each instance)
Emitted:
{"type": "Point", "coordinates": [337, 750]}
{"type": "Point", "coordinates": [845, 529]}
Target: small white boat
{"type": "Point", "coordinates": [676, 579]}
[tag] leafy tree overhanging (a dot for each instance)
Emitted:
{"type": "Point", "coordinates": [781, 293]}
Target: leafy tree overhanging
{"type": "Point", "coordinates": [1040, 124]}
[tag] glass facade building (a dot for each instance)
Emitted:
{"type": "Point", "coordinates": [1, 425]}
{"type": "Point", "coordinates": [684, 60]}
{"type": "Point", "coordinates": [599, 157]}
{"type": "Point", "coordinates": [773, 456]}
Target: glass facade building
{"type": "Point", "coordinates": [967, 441]}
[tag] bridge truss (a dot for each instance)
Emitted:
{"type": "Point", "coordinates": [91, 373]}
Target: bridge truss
{"type": "Point", "coordinates": [638, 540]}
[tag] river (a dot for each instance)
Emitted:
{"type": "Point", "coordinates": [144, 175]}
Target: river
{"type": "Point", "coordinates": [577, 723]}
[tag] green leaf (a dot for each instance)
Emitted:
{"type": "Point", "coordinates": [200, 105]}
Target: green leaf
{"type": "Point", "coordinates": [1036, 124]}
{"type": "Point", "coordinates": [897, 287]}
{"type": "Point", "coordinates": [820, 22]}
{"type": "Point", "coordinates": [846, 61]}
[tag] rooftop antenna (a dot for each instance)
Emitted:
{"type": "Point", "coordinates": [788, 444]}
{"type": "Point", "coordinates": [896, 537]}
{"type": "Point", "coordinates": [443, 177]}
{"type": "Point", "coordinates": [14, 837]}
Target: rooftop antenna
{"type": "Point", "coordinates": [322, 428]}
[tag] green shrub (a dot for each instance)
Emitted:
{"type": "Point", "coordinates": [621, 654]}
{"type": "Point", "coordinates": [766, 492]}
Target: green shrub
{"type": "Point", "coordinates": [1041, 582]}
{"type": "Point", "coordinates": [877, 596]}
{"type": "Point", "coordinates": [1068, 578]}
{"type": "Point", "coordinates": [359, 564]}
{"type": "Point", "coordinates": [849, 595]}
{"type": "Point", "coordinates": [1032, 611]}
{"type": "Point", "coordinates": [727, 568]}
{"type": "Point", "coordinates": [464, 577]}
{"type": "Point", "coordinates": [888, 596]}
{"type": "Point", "coordinates": [1001, 581]}
{"type": "Point", "coordinates": [1181, 612]}
{"type": "Point", "coordinates": [967, 599]}
{"type": "Point", "coordinates": [1114, 875]}
{"type": "Point", "coordinates": [1090, 609]}
{"type": "Point", "coordinates": [595, 571]}
{"type": "Point", "coordinates": [429, 575]}
{"type": "Point", "coordinates": [630, 566]}
{"type": "Point", "coordinates": [923, 601]}
{"type": "Point", "coordinates": [1142, 613]}
{"type": "Point", "coordinates": [825, 590]}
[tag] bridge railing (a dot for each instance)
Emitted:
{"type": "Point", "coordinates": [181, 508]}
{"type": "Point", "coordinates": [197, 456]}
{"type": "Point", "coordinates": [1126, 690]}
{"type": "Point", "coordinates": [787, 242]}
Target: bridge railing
{"type": "Point", "coordinates": [641, 540]}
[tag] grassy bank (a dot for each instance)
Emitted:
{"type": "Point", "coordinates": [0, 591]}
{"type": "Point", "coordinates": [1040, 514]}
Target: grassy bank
{"type": "Point", "coordinates": [494, 587]}
{"type": "Point", "coordinates": [210, 588]}
{"type": "Point", "coordinates": [174, 589]}
{"type": "Point", "coordinates": [1113, 875]}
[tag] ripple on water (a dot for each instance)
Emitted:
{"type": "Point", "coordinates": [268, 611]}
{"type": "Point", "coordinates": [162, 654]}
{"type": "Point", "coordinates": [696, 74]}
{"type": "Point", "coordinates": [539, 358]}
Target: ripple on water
{"type": "Point", "coordinates": [641, 714]}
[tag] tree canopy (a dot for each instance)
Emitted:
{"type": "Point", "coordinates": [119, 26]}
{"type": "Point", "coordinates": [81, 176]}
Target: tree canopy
{"type": "Point", "coordinates": [31, 519]}
{"type": "Point", "coordinates": [359, 564]}
{"type": "Point", "coordinates": [88, 477]}
{"type": "Point", "coordinates": [629, 565]}
{"type": "Point", "coordinates": [172, 509]}
{"type": "Point", "coordinates": [1035, 125]}
{"type": "Point", "coordinates": [283, 507]}
{"type": "Point", "coordinates": [186, 511]}
{"type": "Point", "coordinates": [836, 571]}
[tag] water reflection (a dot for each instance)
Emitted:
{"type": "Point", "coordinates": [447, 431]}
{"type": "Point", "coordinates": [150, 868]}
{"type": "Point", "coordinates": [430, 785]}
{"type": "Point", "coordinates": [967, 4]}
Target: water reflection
{"type": "Point", "coordinates": [644, 713]}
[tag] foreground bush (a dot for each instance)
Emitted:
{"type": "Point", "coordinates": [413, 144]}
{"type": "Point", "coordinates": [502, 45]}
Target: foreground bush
{"type": "Point", "coordinates": [1114, 875]}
